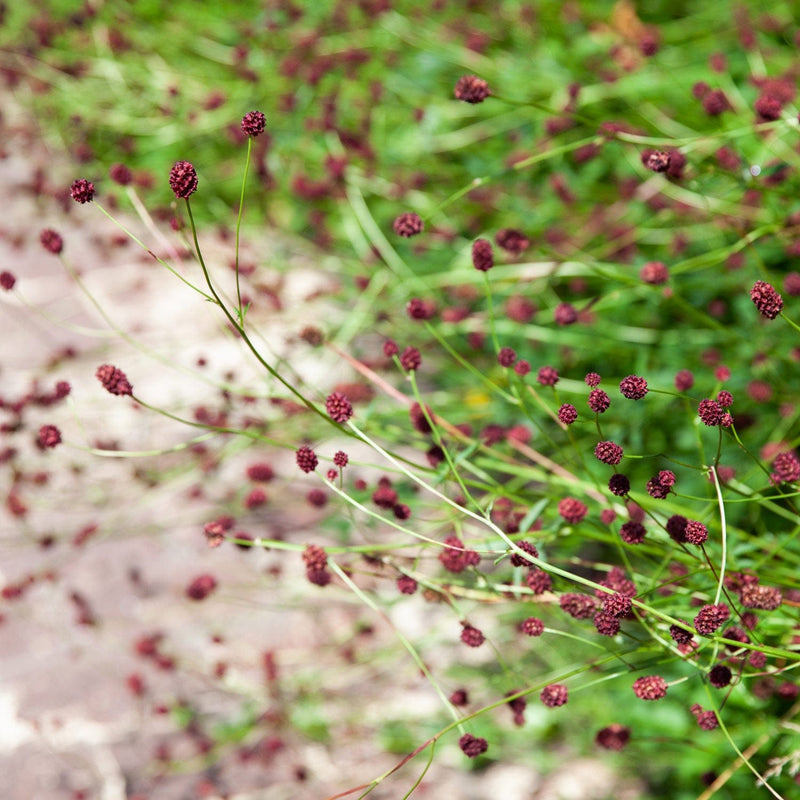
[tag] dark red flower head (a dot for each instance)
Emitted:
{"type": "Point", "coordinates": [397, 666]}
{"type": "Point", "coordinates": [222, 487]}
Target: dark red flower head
{"type": "Point", "coordinates": [253, 123]}
{"type": "Point", "coordinates": [49, 436]}
{"type": "Point", "coordinates": [650, 687]}
{"type": "Point", "coordinates": [471, 89]}
{"type": "Point", "coordinates": [7, 280]}
{"type": "Point", "coordinates": [82, 191]}
{"type": "Point", "coordinates": [608, 452]}
{"type": "Point", "coordinates": [656, 160]}
{"type": "Point", "coordinates": [113, 380]}
{"type": "Point", "coordinates": [201, 587]}
{"type": "Point", "coordinates": [120, 174]}
{"type": "Point", "coordinates": [766, 299]}
{"type": "Point", "coordinates": [306, 458]}
{"type": "Point", "coordinates": [554, 695]}
{"type": "Point", "coordinates": [408, 225]}
{"type": "Point", "coordinates": [472, 746]}
{"type": "Point", "coordinates": [482, 255]}
{"type": "Point", "coordinates": [183, 179]}
{"type": "Point", "coordinates": [613, 737]}
{"type": "Point", "coordinates": [339, 408]}
{"type": "Point", "coordinates": [633, 387]}
{"type": "Point", "coordinates": [51, 241]}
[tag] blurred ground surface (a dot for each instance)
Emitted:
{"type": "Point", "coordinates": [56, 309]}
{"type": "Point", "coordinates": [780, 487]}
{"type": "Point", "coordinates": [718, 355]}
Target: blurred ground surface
{"type": "Point", "coordinates": [70, 726]}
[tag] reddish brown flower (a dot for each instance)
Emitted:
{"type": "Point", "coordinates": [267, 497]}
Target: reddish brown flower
{"type": "Point", "coordinates": [567, 414]}
{"type": "Point", "coordinates": [512, 240]}
{"type": "Point", "coordinates": [183, 179]}
{"type": "Point", "coordinates": [532, 626]}
{"type": "Point", "coordinates": [633, 387]}
{"type": "Point", "coordinates": [471, 89]}
{"type": "Point", "coordinates": [766, 299]}
{"type": "Point", "coordinates": [554, 695]}
{"type": "Point", "coordinates": [572, 510]}
{"type": "Point", "coordinates": [608, 453]}
{"type": "Point", "coordinates": [654, 272]}
{"type": "Point", "coordinates": [7, 280]}
{"type": "Point", "coordinates": [632, 532]}
{"type": "Point", "coordinates": [656, 160]}
{"type": "Point", "coordinates": [710, 618]}
{"type": "Point", "coordinates": [472, 746]}
{"type": "Point", "coordinates": [253, 123]}
{"type": "Point", "coordinates": [768, 108]}
{"type": "Point", "coordinates": [482, 255]}
{"type": "Point", "coordinates": [406, 584]}
{"type": "Point", "coordinates": [201, 587]}
{"type": "Point", "coordinates": [471, 636]}
{"type": "Point", "coordinates": [339, 408]}
{"type": "Point", "coordinates": [565, 314]}
{"type": "Point", "coordinates": [51, 241]}
{"type": "Point", "coordinates": [711, 413]}
{"type": "Point", "coordinates": [408, 225]}
{"type": "Point", "coordinates": [120, 174]}
{"type": "Point", "coordinates": [113, 380]}
{"type": "Point", "coordinates": [753, 595]}
{"type": "Point", "coordinates": [49, 436]}
{"type": "Point", "coordinates": [519, 561]}
{"type": "Point", "coordinates": [578, 606]}
{"type": "Point", "coordinates": [82, 191]}
{"type": "Point", "coordinates": [720, 675]}
{"type": "Point", "coordinates": [695, 532]}
{"type": "Point", "coordinates": [547, 376]}
{"type": "Point", "coordinates": [650, 687]}
{"type": "Point", "coordinates": [306, 459]}
{"type": "Point", "coordinates": [538, 581]}
{"type": "Point", "coordinates": [598, 401]}
{"type": "Point", "coordinates": [613, 737]}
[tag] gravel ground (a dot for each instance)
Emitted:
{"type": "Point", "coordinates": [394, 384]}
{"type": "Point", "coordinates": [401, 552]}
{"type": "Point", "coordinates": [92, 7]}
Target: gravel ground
{"type": "Point", "coordinates": [99, 562]}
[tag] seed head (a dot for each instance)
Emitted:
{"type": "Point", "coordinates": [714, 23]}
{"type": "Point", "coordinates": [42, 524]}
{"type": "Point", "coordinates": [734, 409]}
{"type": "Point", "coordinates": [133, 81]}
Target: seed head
{"type": "Point", "coordinates": [680, 635]}
{"type": "Point", "coordinates": [410, 359]}
{"type": "Point", "coordinates": [617, 604]}
{"type": "Point", "coordinates": [49, 436]}
{"type": "Point", "coordinates": [471, 636]}
{"type": "Point", "coordinates": [113, 380]}
{"type": "Point", "coordinates": [684, 380]}
{"type": "Point", "coordinates": [711, 413]}
{"type": "Point", "coordinates": [608, 453]}
{"type": "Point", "coordinates": [532, 626]}
{"type": "Point", "coordinates": [710, 618]}
{"type": "Point", "coordinates": [315, 557]}
{"type": "Point", "coordinates": [578, 606]}
{"type": "Point", "coordinates": [565, 314]}
{"type": "Point", "coordinates": [306, 458]}
{"type": "Point", "coordinates": [120, 174]}
{"type": "Point", "coordinates": [720, 675]}
{"type": "Point", "coordinates": [592, 379]}
{"type": "Point", "coordinates": [768, 108]}
{"type": "Point", "coordinates": [253, 123]}
{"type": "Point", "coordinates": [725, 399]}
{"type": "Point", "coordinates": [632, 532]}
{"type": "Point", "coordinates": [339, 408]}
{"type": "Point", "coordinates": [598, 401]}
{"type": "Point", "coordinates": [572, 510]}
{"type": "Point", "coordinates": [766, 299]}
{"type": "Point", "coordinates": [656, 160]}
{"type": "Point", "coordinates": [538, 581]}
{"type": "Point", "coordinates": [417, 308]}
{"type": "Point", "coordinates": [554, 695]}
{"type": "Point", "coordinates": [512, 241]}
{"type": "Point", "coordinates": [408, 225]}
{"type": "Point", "coordinates": [567, 414]}
{"type": "Point", "coordinates": [482, 255]}
{"type": "Point", "coordinates": [606, 624]}
{"type": "Point", "coordinates": [506, 357]}
{"type": "Point", "coordinates": [472, 746]}
{"type": "Point", "coordinates": [7, 280]}
{"type": "Point", "coordinates": [340, 458]}
{"type": "Point", "coordinates": [183, 179]}
{"type": "Point", "coordinates": [613, 737]}
{"type": "Point", "coordinates": [650, 687]}
{"type": "Point", "coordinates": [260, 472]}
{"type": "Point", "coordinates": [676, 528]}
{"type": "Point", "coordinates": [715, 102]}
{"type": "Point", "coordinates": [51, 241]}
{"type": "Point", "coordinates": [654, 272]}
{"type": "Point", "coordinates": [390, 348]}
{"type": "Point", "coordinates": [82, 191]}
{"type": "Point", "coordinates": [519, 561]}
{"type": "Point", "coordinates": [418, 418]}
{"type": "Point", "coordinates": [661, 485]}
{"type": "Point", "coordinates": [406, 584]}
{"type": "Point", "coordinates": [707, 720]}
{"type": "Point", "coordinates": [619, 484]}
{"type": "Point", "coordinates": [201, 587]}
{"type": "Point", "coordinates": [633, 387]}
{"type": "Point", "coordinates": [471, 89]}
{"type": "Point", "coordinates": [547, 376]}
{"type": "Point", "coordinates": [767, 598]}
{"type": "Point", "coordinates": [695, 532]}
